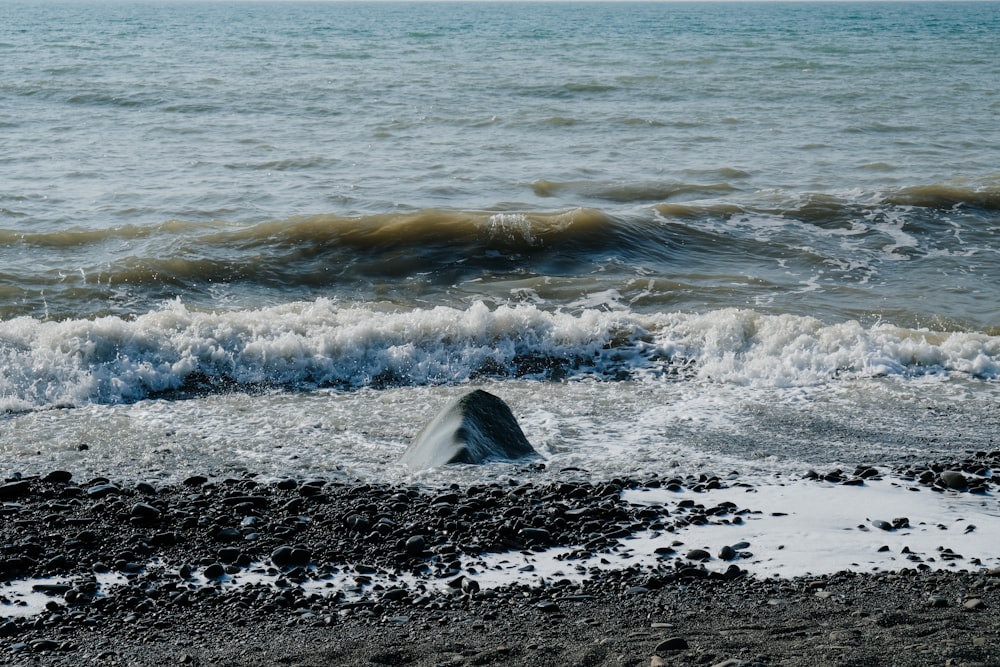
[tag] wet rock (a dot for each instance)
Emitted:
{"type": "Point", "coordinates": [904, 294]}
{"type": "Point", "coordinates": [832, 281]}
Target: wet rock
{"type": "Point", "coordinates": [228, 534]}
{"type": "Point", "coordinates": [548, 607]}
{"type": "Point", "coordinates": [699, 554]}
{"type": "Point", "coordinates": [952, 479]}
{"type": "Point", "coordinates": [473, 429]}
{"type": "Point", "coordinates": [215, 571]}
{"type": "Point", "coordinates": [99, 491]}
{"type": "Point", "coordinates": [145, 512]}
{"type": "Point", "coordinates": [671, 644]}
{"type": "Point", "coordinates": [12, 490]}
{"type": "Point", "coordinates": [415, 545]}
{"type": "Point", "coordinates": [58, 477]}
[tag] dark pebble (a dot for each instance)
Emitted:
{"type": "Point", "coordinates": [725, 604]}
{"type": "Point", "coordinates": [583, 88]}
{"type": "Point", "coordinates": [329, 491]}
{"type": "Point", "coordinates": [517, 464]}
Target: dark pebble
{"type": "Point", "coordinates": [14, 489]}
{"type": "Point", "coordinates": [146, 489]}
{"type": "Point", "coordinates": [58, 477]}
{"type": "Point", "coordinates": [145, 511]}
{"type": "Point", "coordinates": [102, 490]}
{"type": "Point", "coordinates": [671, 644]}
{"type": "Point", "coordinates": [215, 571]}
{"type": "Point", "coordinates": [415, 545]}
{"type": "Point", "coordinates": [228, 535]}
{"type": "Point", "coordinates": [548, 607]}
{"type": "Point", "coordinates": [698, 554]}
{"type": "Point", "coordinates": [537, 535]}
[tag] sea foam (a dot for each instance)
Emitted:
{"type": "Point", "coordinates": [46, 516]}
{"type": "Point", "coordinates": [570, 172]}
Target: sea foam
{"type": "Point", "coordinates": [307, 345]}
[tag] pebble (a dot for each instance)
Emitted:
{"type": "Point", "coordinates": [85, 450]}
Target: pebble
{"type": "Point", "coordinates": [215, 571]}
{"type": "Point", "coordinates": [548, 607]}
{"type": "Point", "coordinates": [58, 477]}
{"type": "Point", "coordinates": [14, 490]}
{"type": "Point", "coordinates": [671, 644]}
{"type": "Point", "coordinates": [415, 545]}
{"type": "Point", "coordinates": [953, 480]}
{"type": "Point", "coordinates": [145, 511]}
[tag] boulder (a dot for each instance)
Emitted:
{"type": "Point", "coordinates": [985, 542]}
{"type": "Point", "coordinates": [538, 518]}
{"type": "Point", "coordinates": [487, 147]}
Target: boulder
{"type": "Point", "coordinates": [474, 428]}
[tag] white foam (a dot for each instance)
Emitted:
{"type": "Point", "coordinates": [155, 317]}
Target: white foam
{"type": "Point", "coordinates": [309, 344]}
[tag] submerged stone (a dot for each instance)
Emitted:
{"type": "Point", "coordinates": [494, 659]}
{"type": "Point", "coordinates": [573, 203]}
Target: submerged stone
{"type": "Point", "coordinates": [475, 428]}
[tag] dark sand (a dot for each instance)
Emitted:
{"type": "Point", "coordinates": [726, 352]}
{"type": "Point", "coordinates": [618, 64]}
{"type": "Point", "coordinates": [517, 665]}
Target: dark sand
{"type": "Point", "coordinates": [174, 545]}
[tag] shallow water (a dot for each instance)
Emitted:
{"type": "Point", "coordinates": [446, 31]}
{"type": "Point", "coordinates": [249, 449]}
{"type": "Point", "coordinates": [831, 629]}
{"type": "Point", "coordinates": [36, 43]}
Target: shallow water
{"type": "Point", "coordinates": [277, 237]}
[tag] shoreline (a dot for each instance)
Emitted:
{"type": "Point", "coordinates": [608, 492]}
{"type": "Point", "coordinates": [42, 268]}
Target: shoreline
{"type": "Point", "coordinates": [303, 572]}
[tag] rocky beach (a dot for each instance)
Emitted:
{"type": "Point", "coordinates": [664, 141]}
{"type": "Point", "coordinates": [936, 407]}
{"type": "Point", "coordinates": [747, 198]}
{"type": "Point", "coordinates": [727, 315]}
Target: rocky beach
{"type": "Point", "coordinates": [255, 571]}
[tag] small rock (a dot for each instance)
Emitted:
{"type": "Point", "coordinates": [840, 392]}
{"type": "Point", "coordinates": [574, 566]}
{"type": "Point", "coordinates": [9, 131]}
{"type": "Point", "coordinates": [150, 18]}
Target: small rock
{"type": "Point", "coordinates": [102, 490]}
{"type": "Point", "coordinates": [699, 554]}
{"type": "Point", "coordinates": [14, 489]}
{"type": "Point", "coordinates": [470, 586]}
{"type": "Point", "coordinates": [671, 644]}
{"type": "Point", "coordinates": [215, 571]}
{"type": "Point", "coordinates": [58, 477]}
{"type": "Point", "coordinates": [415, 545]}
{"type": "Point", "coordinates": [228, 535]}
{"type": "Point", "coordinates": [537, 535]}
{"type": "Point", "coordinates": [973, 604]}
{"type": "Point", "coordinates": [146, 489]}
{"type": "Point", "coordinates": [937, 601]}
{"type": "Point", "coordinates": [145, 511]}
{"type": "Point", "coordinates": [548, 607]}
{"type": "Point", "coordinates": [954, 480]}
{"type": "Point", "coordinates": [44, 645]}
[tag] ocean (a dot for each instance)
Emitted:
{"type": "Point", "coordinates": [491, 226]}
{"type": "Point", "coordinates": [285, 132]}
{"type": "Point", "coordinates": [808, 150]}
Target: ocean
{"type": "Point", "coordinates": [676, 238]}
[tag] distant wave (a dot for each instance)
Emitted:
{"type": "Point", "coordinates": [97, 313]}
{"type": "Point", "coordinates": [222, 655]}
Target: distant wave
{"type": "Point", "coordinates": [176, 351]}
{"type": "Point", "coordinates": [668, 254]}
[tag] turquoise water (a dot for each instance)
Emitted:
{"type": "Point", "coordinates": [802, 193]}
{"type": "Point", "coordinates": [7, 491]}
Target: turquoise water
{"type": "Point", "coordinates": [745, 206]}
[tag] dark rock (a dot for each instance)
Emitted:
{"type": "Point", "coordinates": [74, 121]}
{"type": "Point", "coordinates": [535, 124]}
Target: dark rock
{"type": "Point", "coordinates": [699, 554]}
{"type": "Point", "coordinates": [395, 594]}
{"type": "Point", "coordinates": [58, 477]}
{"type": "Point", "coordinates": [415, 545]}
{"type": "Point", "coordinates": [102, 490]}
{"type": "Point", "coordinates": [215, 571]}
{"type": "Point", "coordinates": [537, 535]}
{"type": "Point", "coordinates": [548, 607]}
{"type": "Point", "coordinates": [671, 644]}
{"type": "Point", "coordinates": [44, 645]}
{"type": "Point", "coordinates": [14, 489]}
{"type": "Point", "coordinates": [473, 429]}
{"type": "Point", "coordinates": [727, 553]}
{"type": "Point", "coordinates": [282, 556]}
{"type": "Point", "coordinates": [228, 534]}
{"type": "Point", "coordinates": [146, 489]}
{"type": "Point", "coordinates": [145, 511]}
{"type": "Point", "coordinates": [882, 525]}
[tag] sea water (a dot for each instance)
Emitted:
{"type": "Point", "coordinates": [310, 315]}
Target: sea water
{"type": "Point", "coordinates": [677, 238]}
